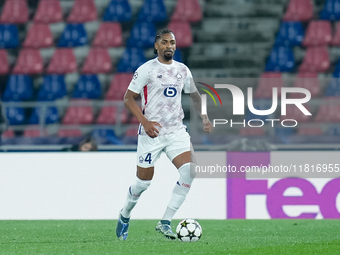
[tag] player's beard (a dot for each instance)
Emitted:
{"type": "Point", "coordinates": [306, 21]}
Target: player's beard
{"type": "Point", "coordinates": [168, 57]}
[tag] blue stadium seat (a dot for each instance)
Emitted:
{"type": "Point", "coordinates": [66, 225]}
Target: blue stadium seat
{"type": "Point", "coordinates": [333, 89]}
{"type": "Point", "coordinates": [53, 87]}
{"type": "Point", "coordinates": [118, 11]}
{"type": "Point", "coordinates": [106, 136]}
{"type": "Point", "coordinates": [142, 35]}
{"type": "Point", "coordinates": [132, 59]}
{"type": "Point", "coordinates": [281, 59]}
{"type": "Point", "coordinates": [334, 130]}
{"type": "Point", "coordinates": [88, 86]}
{"type": "Point", "coordinates": [152, 11]}
{"type": "Point", "coordinates": [15, 115]}
{"type": "Point", "coordinates": [18, 88]}
{"type": "Point", "coordinates": [337, 68]}
{"type": "Point", "coordinates": [50, 117]}
{"type": "Point", "coordinates": [178, 55]}
{"type": "Point", "coordinates": [74, 35]}
{"type": "Point", "coordinates": [290, 34]}
{"type": "Point", "coordinates": [9, 36]}
{"type": "Point", "coordinates": [331, 10]}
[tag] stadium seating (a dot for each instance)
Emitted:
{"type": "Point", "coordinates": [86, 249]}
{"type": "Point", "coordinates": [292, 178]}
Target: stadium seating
{"type": "Point", "coordinates": [299, 10]}
{"type": "Point", "coordinates": [110, 115]}
{"type": "Point", "coordinates": [118, 86]}
{"type": "Point", "coordinates": [39, 36]}
{"type": "Point", "coordinates": [308, 81]}
{"type": "Point", "coordinates": [18, 88]}
{"type": "Point", "coordinates": [15, 115]}
{"type": "Point", "coordinates": [310, 131]}
{"type": "Point", "coordinates": [52, 88]}
{"type": "Point", "coordinates": [51, 115]}
{"type": "Point", "coordinates": [267, 82]}
{"type": "Point", "coordinates": [333, 130]}
{"type": "Point", "coordinates": [319, 33]}
{"type": "Point", "coordinates": [98, 61]}
{"type": "Point", "coordinates": [333, 89]}
{"type": "Point", "coordinates": [118, 11]}
{"type": "Point", "coordinates": [178, 56]}
{"type": "Point", "coordinates": [78, 114]}
{"type": "Point", "coordinates": [281, 59]}
{"type": "Point", "coordinates": [290, 34]}
{"type": "Point", "coordinates": [48, 11]}
{"type": "Point", "coordinates": [29, 62]}
{"type": "Point", "coordinates": [152, 11]}
{"type": "Point", "coordinates": [183, 33]}
{"type": "Point", "coordinates": [187, 10]}
{"type": "Point", "coordinates": [4, 66]}
{"type": "Point", "coordinates": [34, 133]}
{"type": "Point", "coordinates": [9, 36]}
{"type": "Point", "coordinates": [69, 133]}
{"type": "Point", "coordinates": [132, 58]}
{"type": "Point", "coordinates": [250, 131]}
{"type": "Point", "coordinates": [106, 136]}
{"type": "Point", "coordinates": [8, 134]}
{"type": "Point", "coordinates": [15, 12]}
{"type": "Point", "coordinates": [87, 87]}
{"type": "Point", "coordinates": [142, 35]}
{"type": "Point", "coordinates": [74, 35]}
{"type": "Point", "coordinates": [109, 35]}
{"type": "Point", "coordinates": [331, 10]}
{"type": "Point", "coordinates": [83, 11]}
{"type": "Point", "coordinates": [292, 112]}
{"type": "Point", "coordinates": [316, 60]}
{"type": "Point", "coordinates": [63, 61]}
{"type": "Point", "coordinates": [259, 105]}
{"type": "Point", "coordinates": [329, 111]}
{"type": "Point", "coordinates": [336, 37]}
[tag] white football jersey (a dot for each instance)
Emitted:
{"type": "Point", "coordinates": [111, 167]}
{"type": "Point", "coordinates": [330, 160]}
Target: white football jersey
{"type": "Point", "coordinates": [160, 86]}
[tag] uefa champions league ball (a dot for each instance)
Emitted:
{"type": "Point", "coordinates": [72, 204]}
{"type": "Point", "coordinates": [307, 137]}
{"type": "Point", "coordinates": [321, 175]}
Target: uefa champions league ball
{"type": "Point", "coordinates": [189, 230]}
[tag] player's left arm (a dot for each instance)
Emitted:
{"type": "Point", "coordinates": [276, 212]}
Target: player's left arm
{"type": "Point", "coordinates": [197, 100]}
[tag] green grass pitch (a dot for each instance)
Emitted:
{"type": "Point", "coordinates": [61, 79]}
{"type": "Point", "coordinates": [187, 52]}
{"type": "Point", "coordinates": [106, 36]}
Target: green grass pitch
{"type": "Point", "coordinates": [219, 237]}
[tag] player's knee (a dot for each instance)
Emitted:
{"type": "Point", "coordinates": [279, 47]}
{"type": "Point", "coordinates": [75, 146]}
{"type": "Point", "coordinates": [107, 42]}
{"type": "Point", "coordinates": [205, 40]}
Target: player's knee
{"type": "Point", "coordinates": [143, 184]}
{"type": "Point", "coordinates": [186, 173]}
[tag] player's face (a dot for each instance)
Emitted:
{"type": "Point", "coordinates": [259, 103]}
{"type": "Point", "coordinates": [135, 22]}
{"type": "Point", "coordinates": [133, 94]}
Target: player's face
{"type": "Point", "coordinates": [166, 46]}
{"type": "Point", "coordinates": [86, 147]}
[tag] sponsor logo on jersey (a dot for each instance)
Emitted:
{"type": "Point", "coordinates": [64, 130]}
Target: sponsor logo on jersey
{"type": "Point", "coordinates": [159, 76]}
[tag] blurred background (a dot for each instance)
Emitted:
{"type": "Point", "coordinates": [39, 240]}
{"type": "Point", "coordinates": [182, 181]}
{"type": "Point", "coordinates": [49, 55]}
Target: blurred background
{"type": "Point", "coordinates": [65, 66]}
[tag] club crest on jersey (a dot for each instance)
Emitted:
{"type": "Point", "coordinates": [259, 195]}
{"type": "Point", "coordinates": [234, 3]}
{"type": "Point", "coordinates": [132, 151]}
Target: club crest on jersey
{"type": "Point", "coordinates": [178, 76]}
{"type": "Point", "coordinates": [159, 76]}
{"type": "Point", "coordinates": [141, 159]}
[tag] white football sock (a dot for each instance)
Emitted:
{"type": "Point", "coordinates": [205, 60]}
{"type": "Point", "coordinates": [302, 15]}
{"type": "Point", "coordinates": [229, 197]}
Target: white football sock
{"type": "Point", "coordinates": [133, 195]}
{"type": "Point", "coordinates": [180, 192]}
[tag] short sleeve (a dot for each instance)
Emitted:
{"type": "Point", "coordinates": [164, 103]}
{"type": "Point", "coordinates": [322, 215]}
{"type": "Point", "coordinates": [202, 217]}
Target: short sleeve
{"type": "Point", "coordinates": [189, 85]}
{"type": "Point", "coordinates": [139, 80]}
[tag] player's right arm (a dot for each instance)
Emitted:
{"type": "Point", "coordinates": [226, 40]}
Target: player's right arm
{"type": "Point", "coordinates": [130, 103]}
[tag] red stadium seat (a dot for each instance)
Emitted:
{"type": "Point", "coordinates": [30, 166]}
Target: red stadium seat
{"type": "Point", "coordinates": [63, 61]}
{"type": "Point", "coordinates": [83, 11]}
{"type": "Point", "coordinates": [8, 133]}
{"type": "Point", "coordinates": [78, 114]}
{"type": "Point", "coordinates": [69, 133]}
{"type": "Point", "coordinates": [267, 82]}
{"type": "Point", "coordinates": [182, 31]}
{"type": "Point", "coordinates": [118, 86]}
{"type": "Point", "coordinates": [292, 112]}
{"type": "Point", "coordinates": [34, 133]}
{"type": "Point", "coordinates": [39, 36]}
{"type": "Point", "coordinates": [49, 11]}
{"type": "Point", "coordinates": [4, 66]}
{"type": "Point", "coordinates": [109, 115]}
{"type": "Point", "coordinates": [249, 131]}
{"type": "Point", "coordinates": [98, 61]}
{"type": "Point", "coordinates": [29, 62]}
{"type": "Point", "coordinates": [319, 33]}
{"type": "Point", "coordinates": [14, 11]}
{"type": "Point", "coordinates": [109, 35]}
{"type": "Point", "coordinates": [299, 10]}
{"type": "Point", "coordinates": [133, 120]}
{"type": "Point", "coordinates": [308, 81]}
{"type": "Point", "coordinates": [329, 112]}
{"type": "Point", "coordinates": [316, 60]}
{"type": "Point", "coordinates": [187, 10]}
{"type": "Point", "coordinates": [336, 38]}
{"type": "Point", "coordinates": [309, 131]}
{"type": "Point", "coordinates": [131, 132]}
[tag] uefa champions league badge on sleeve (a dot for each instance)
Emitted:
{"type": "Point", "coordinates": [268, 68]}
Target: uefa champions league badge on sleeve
{"type": "Point", "coordinates": [135, 75]}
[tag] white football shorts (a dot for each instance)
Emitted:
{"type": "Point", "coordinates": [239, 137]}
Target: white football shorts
{"type": "Point", "coordinates": [149, 149]}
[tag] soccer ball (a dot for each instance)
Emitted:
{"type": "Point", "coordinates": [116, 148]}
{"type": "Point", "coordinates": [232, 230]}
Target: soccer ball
{"type": "Point", "coordinates": [189, 230]}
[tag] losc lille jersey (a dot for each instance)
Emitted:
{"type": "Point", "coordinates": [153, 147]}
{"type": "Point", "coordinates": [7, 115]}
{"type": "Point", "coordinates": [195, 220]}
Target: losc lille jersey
{"type": "Point", "coordinates": [160, 86]}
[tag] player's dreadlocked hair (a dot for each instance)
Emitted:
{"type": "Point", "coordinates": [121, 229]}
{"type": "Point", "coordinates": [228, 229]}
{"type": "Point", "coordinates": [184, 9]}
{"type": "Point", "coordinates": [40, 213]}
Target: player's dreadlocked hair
{"type": "Point", "coordinates": [160, 33]}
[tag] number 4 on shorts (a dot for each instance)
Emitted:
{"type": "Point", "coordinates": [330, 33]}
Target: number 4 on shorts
{"type": "Point", "coordinates": [148, 158]}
